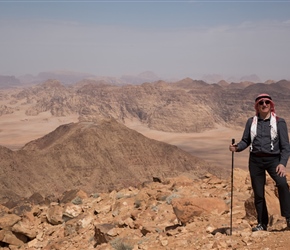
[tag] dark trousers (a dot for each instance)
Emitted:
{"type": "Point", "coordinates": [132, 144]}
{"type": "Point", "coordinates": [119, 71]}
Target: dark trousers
{"type": "Point", "coordinates": [258, 167]}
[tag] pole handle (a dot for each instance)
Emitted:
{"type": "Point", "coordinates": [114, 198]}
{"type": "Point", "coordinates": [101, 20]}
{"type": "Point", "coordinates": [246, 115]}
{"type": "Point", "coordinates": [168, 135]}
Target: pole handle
{"type": "Point", "coordinates": [233, 141]}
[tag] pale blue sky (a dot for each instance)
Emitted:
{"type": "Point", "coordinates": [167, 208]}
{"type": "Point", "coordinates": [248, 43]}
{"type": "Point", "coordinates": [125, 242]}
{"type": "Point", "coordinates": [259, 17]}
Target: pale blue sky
{"type": "Point", "coordinates": [171, 38]}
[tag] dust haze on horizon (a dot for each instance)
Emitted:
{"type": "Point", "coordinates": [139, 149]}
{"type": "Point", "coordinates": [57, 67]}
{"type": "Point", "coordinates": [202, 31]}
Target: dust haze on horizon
{"type": "Point", "coordinates": [173, 39]}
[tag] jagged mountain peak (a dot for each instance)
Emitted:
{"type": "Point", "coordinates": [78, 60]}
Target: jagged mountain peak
{"type": "Point", "coordinates": [93, 156]}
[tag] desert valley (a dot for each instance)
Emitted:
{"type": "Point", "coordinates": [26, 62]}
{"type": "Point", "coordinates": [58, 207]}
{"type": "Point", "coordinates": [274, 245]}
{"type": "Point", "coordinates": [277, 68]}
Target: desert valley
{"type": "Point", "coordinates": [97, 165]}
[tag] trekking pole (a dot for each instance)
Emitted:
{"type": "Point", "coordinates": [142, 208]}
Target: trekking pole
{"type": "Point", "coordinates": [232, 187]}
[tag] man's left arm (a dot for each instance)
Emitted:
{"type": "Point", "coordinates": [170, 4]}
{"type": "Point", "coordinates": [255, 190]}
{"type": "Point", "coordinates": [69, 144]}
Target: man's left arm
{"type": "Point", "coordinates": [283, 142]}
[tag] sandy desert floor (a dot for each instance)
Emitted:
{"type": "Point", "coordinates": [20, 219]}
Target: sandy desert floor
{"type": "Point", "coordinates": [211, 146]}
{"type": "Point", "coordinates": [17, 129]}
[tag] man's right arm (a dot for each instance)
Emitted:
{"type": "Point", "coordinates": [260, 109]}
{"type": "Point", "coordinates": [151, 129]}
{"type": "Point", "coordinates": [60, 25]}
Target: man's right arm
{"type": "Point", "coordinates": [246, 138]}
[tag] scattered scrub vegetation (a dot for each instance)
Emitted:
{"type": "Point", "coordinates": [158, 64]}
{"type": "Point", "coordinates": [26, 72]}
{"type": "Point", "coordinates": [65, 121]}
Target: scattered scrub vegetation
{"type": "Point", "coordinates": [77, 201]}
{"type": "Point", "coordinates": [120, 244]}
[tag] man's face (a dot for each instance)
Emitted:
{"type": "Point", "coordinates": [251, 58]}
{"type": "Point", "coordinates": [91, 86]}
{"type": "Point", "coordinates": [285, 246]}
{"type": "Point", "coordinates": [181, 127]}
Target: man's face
{"type": "Point", "coordinates": [264, 106]}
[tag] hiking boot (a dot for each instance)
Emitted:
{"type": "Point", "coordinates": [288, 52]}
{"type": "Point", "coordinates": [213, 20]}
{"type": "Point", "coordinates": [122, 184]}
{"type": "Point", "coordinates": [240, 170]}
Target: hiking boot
{"type": "Point", "coordinates": [288, 223]}
{"type": "Point", "coordinates": [261, 227]}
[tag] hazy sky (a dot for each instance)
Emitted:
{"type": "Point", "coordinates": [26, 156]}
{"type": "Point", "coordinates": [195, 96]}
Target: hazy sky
{"type": "Point", "coordinates": [170, 38]}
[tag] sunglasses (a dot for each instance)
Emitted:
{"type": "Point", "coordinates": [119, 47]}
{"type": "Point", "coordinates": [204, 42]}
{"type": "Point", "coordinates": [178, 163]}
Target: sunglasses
{"type": "Point", "coordinates": [262, 102]}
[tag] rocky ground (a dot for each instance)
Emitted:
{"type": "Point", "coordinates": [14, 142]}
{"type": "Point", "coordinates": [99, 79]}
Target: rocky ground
{"type": "Point", "coordinates": [175, 213]}
{"type": "Point", "coordinates": [179, 213]}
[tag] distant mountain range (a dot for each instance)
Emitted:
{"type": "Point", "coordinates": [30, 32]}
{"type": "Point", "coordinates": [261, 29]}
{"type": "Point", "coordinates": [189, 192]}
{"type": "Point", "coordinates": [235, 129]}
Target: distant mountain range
{"type": "Point", "coordinates": [70, 77]}
{"type": "Point", "coordinates": [183, 106]}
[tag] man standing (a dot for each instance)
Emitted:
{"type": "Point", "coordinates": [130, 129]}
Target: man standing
{"type": "Point", "coordinates": [267, 136]}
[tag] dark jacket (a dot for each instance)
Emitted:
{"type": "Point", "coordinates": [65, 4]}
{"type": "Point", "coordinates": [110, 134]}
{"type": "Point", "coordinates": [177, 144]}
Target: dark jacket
{"type": "Point", "coordinates": [262, 141]}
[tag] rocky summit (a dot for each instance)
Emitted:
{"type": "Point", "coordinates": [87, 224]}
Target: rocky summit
{"type": "Point", "coordinates": [171, 213]}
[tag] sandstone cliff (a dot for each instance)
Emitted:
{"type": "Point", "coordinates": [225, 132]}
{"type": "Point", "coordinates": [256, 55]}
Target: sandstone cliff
{"type": "Point", "coordinates": [184, 106]}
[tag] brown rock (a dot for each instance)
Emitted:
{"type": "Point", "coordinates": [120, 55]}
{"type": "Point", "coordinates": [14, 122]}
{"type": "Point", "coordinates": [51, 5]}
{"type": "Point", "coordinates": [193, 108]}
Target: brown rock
{"type": "Point", "coordinates": [272, 201]}
{"type": "Point", "coordinates": [3, 210]}
{"type": "Point", "coordinates": [186, 209]}
{"type": "Point", "coordinates": [74, 196]}
{"type": "Point", "coordinates": [71, 210]}
{"type": "Point", "coordinates": [8, 220]}
{"type": "Point", "coordinates": [101, 233]}
{"type": "Point", "coordinates": [54, 214]}
{"type": "Point", "coordinates": [13, 239]}
{"type": "Point", "coordinates": [27, 226]}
